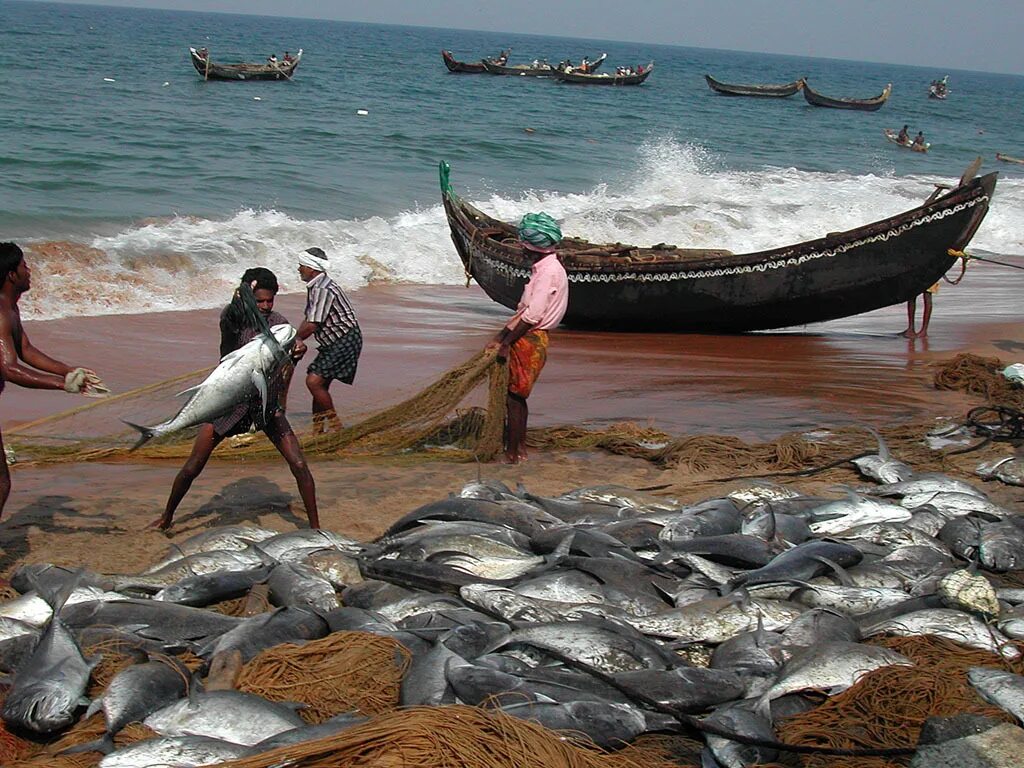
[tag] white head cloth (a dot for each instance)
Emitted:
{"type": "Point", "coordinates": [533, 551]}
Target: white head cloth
{"type": "Point", "coordinates": [313, 262]}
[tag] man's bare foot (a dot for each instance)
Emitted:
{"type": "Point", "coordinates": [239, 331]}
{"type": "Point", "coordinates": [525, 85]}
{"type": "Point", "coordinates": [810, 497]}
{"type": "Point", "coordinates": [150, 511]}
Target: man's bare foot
{"type": "Point", "coordinates": [510, 458]}
{"type": "Point", "coordinates": [161, 523]}
{"type": "Point", "coordinates": [907, 334]}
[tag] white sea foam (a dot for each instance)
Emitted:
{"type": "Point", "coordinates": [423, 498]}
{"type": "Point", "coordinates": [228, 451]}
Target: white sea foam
{"type": "Point", "coordinates": [677, 194]}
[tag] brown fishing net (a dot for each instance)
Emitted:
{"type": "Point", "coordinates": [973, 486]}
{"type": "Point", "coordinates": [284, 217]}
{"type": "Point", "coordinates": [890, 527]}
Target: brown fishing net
{"type": "Point", "coordinates": [438, 419]}
{"type": "Point", "coordinates": [342, 672]}
{"type": "Point", "coordinates": [888, 707]}
{"type": "Point", "coordinates": [452, 737]}
{"type": "Point", "coordinates": [82, 733]}
{"type": "Point", "coordinates": [981, 376]}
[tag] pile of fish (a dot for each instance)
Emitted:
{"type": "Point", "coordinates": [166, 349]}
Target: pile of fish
{"type": "Point", "coordinates": [604, 611]}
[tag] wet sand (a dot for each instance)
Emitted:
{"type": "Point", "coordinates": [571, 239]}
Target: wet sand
{"type": "Point", "coordinates": [754, 386]}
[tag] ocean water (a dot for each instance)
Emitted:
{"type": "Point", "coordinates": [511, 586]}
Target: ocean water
{"type": "Point", "coordinates": [140, 187]}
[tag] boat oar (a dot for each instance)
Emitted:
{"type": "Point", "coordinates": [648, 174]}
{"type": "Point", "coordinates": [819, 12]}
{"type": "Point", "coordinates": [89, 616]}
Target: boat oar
{"type": "Point", "coordinates": [278, 68]}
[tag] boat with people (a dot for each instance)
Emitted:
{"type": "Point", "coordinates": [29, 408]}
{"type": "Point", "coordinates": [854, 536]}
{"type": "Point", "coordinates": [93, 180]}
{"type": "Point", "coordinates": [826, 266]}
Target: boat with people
{"type": "Point", "coordinates": [907, 143]}
{"type": "Point", "coordinates": [1009, 158]}
{"type": "Point", "coordinates": [668, 288]}
{"type": "Point", "coordinates": [865, 105]}
{"type": "Point", "coordinates": [475, 67]}
{"type": "Point", "coordinates": [622, 76]}
{"type": "Point", "coordinates": [939, 89]}
{"type": "Point", "coordinates": [541, 67]}
{"type": "Point", "coordinates": [765, 91]}
{"type": "Point", "coordinates": [272, 69]}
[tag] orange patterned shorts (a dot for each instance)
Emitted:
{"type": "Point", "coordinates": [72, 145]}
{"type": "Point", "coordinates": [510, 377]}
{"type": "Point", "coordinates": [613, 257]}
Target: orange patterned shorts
{"type": "Point", "coordinates": [525, 361]}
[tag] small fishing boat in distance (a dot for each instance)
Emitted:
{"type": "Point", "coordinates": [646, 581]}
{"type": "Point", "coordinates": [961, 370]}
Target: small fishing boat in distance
{"type": "Point", "coordinates": [606, 78]}
{"type": "Point", "coordinates": [1009, 159]}
{"type": "Point", "coordinates": [864, 105]}
{"type": "Point", "coordinates": [270, 70]}
{"type": "Point", "coordinates": [894, 137]}
{"type": "Point", "coordinates": [455, 65]}
{"type": "Point", "coordinates": [939, 89]}
{"type": "Point", "coordinates": [767, 91]}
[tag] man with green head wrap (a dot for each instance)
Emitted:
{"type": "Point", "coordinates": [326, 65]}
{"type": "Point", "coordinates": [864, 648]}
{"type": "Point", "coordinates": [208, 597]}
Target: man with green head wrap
{"type": "Point", "coordinates": [523, 340]}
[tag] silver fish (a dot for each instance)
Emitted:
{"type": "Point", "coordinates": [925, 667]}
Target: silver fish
{"type": "Point", "coordinates": [50, 685]}
{"type": "Point", "coordinates": [241, 376]}
{"type": "Point", "coordinates": [1004, 689]}
{"type": "Point", "coordinates": [301, 586]}
{"type": "Point", "coordinates": [831, 667]}
{"type": "Point", "coordinates": [715, 621]}
{"type": "Point", "coordinates": [852, 511]}
{"type": "Point", "coordinates": [240, 718]}
{"type": "Point", "coordinates": [225, 538]}
{"type": "Point", "coordinates": [1009, 470]}
{"type": "Point", "coordinates": [177, 751]}
{"type": "Point", "coordinates": [882, 466]}
{"type": "Point", "coordinates": [949, 623]}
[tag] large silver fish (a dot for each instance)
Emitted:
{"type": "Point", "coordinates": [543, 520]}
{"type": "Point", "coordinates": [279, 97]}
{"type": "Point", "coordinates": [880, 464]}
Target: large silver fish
{"type": "Point", "coordinates": [240, 375]}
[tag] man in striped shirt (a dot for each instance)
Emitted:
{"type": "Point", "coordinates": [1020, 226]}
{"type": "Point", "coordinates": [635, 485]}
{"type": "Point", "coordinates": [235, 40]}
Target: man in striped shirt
{"type": "Point", "coordinates": [330, 320]}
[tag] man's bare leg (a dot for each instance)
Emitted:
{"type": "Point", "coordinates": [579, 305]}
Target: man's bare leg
{"type": "Point", "coordinates": [5, 477]}
{"type": "Point", "coordinates": [283, 438]}
{"type": "Point", "coordinates": [927, 315]}
{"type": "Point", "coordinates": [911, 311]}
{"type": "Point", "coordinates": [515, 434]}
{"type": "Point", "coordinates": [324, 416]}
{"type": "Point", "coordinates": [205, 442]}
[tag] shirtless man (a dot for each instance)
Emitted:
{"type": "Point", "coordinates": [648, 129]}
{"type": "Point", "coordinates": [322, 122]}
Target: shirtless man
{"type": "Point", "coordinates": [20, 362]}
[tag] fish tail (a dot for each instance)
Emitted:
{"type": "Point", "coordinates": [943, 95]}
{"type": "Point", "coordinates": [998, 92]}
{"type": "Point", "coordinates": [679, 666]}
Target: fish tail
{"type": "Point", "coordinates": [146, 434]}
{"type": "Point", "coordinates": [104, 744]}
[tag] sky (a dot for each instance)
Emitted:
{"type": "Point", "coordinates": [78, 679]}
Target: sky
{"type": "Point", "coordinates": [983, 35]}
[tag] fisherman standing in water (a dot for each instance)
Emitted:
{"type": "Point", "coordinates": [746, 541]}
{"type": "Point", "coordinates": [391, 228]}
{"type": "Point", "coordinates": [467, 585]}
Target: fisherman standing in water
{"type": "Point", "coordinates": [330, 319]}
{"type": "Point", "coordinates": [523, 341]}
{"type": "Point", "coordinates": [20, 362]}
{"type": "Point", "coordinates": [238, 328]}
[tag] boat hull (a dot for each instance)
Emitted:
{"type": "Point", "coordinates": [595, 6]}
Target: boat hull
{"type": "Point", "coordinates": [578, 78]}
{"type": "Point", "coordinates": [863, 105]}
{"type": "Point", "coordinates": [881, 264]}
{"type": "Point", "coordinates": [758, 91]}
{"type": "Point", "coordinates": [210, 70]}
{"type": "Point", "coordinates": [464, 67]}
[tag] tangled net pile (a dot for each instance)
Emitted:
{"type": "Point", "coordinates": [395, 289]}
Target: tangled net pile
{"type": "Point", "coordinates": [888, 707]}
{"type": "Point", "coordinates": [341, 672]}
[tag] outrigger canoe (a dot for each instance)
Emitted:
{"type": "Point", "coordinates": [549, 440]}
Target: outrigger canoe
{"type": "Point", "coordinates": [894, 137]}
{"type": "Point", "coordinates": [668, 288]}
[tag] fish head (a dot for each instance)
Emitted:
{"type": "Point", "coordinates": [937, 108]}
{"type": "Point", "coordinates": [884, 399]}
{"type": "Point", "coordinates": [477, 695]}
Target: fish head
{"type": "Point", "coordinates": [44, 707]}
{"type": "Point", "coordinates": [284, 333]}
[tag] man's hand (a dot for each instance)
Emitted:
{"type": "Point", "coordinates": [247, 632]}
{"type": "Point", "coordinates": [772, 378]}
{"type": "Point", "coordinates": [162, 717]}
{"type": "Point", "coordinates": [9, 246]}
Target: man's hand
{"type": "Point", "coordinates": [74, 380]}
{"type": "Point", "coordinates": [299, 351]}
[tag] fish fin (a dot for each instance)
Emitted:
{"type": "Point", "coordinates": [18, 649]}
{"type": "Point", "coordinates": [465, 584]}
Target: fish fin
{"type": "Point", "coordinates": [844, 577]}
{"type": "Point", "coordinates": [542, 699]}
{"type": "Point", "coordinates": [260, 382]}
{"type": "Point", "coordinates": [56, 598]}
{"type": "Point", "coordinates": [561, 551]}
{"type": "Point", "coordinates": [883, 449]}
{"type": "Point", "coordinates": [263, 556]}
{"type": "Point", "coordinates": [96, 706]}
{"type": "Point", "coordinates": [190, 389]}
{"type": "Point", "coordinates": [104, 744]}
{"type": "Point", "coordinates": [146, 434]}
{"type": "Point", "coordinates": [763, 708]}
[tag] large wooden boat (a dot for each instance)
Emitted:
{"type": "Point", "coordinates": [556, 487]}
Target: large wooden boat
{"type": "Point", "coordinates": [864, 105]}
{"type": "Point", "coordinates": [210, 70]}
{"type": "Point", "coordinates": [461, 66]}
{"type": "Point", "coordinates": [663, 287]}
{"type": "Point", "coordinates": [605, 78]}
{"type": "Point", "coordinates": [766, 91]}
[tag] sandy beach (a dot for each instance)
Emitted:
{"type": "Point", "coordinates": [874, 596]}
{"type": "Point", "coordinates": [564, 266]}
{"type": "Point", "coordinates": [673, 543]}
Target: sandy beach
{"type": "Point", "coordinates": [754, 387]}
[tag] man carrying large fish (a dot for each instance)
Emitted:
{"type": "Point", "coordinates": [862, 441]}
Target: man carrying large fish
{"type": "Point", "coordinates": [247, 389]}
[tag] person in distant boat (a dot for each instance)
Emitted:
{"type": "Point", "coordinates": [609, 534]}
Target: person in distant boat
{"type": "Point", "coordinates": [203, 53]}
{"type": "Point", "coordinates": [272, 60]}
{"type": "Point", "coordinates": [918, 140]}
{"type": "Point", "coordinates": [288, 58]}
{"type": "Point", "coordinates": [585, 65]}
{"type": "Point", "coordinates": [910, 333]}
{"type": "Point", "coordinates": [503, 56]}
{"type": "Point", "coordinates": [903, 137]}
{"type": "Point", "coordinates": [20, 362]}
{"type": "Point", "coordinates": [330, 320]}
{"type": "Point", "coordinates": [523, 340]}
{"type": "Point", "coordinates": [236, 330]}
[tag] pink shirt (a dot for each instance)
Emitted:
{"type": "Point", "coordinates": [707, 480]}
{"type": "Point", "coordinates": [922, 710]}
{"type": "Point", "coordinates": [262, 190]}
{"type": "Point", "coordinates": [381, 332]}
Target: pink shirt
{"type": "Point", "coordinates": [545, 297]}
